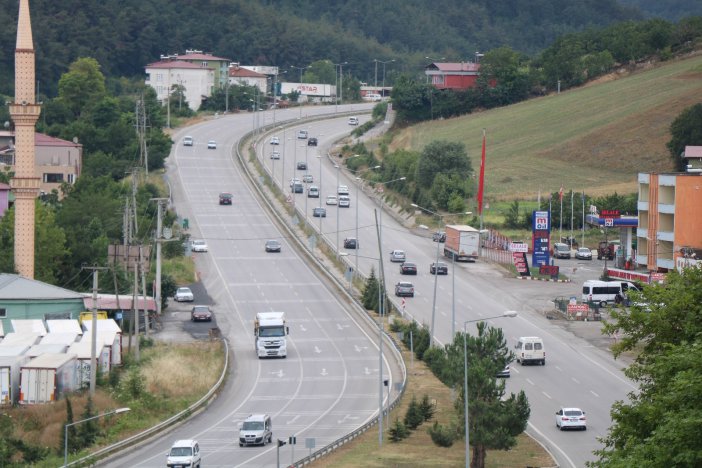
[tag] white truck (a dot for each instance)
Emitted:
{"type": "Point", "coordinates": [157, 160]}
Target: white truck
{"type": "Point", "coordinates": [47, 378]}
{"type": "Point", "coordinates": [462, 243]}
{"type": "Point", "coordinates": [270, 331]}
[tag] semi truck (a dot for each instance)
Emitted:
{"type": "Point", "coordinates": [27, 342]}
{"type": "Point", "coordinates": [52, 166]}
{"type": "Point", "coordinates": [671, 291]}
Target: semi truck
{"type": "Point", "coordinates": [270, 331]}
{"type": "Point", "coordinates": [462, 243]}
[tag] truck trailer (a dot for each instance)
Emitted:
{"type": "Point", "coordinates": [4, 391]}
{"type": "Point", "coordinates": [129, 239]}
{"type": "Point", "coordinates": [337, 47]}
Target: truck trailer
{"type": "Point", "coordinates": [462, 243]}
{"type": "Point", "coordinates": [270, 331]}
{"type": "Point", "coordinates": [46, 378]}
{"type": "Point", "coordinates": [9, 378]}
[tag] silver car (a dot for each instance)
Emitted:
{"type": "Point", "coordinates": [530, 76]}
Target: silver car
{"type": "Point", "coordinates": [397, 256]}
{"type": "Point", "coordinates": [184, 295]}
{"type": "Point", "coordinates": [198, 245]}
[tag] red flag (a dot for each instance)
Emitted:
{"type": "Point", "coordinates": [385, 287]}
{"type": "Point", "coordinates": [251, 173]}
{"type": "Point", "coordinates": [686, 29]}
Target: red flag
{"type": "Point", "coordinates": [560, 193]}
{"type": "Point", "coordinates": [481, 183]}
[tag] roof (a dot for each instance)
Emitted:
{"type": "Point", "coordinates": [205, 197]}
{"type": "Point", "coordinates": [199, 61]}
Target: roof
{"type": "Point", "coordinates": [16, 287]}
{"type": "Point", "coordinates": [177, 64]}
{"type": "Point", "coordinates": [45, 140]}
{"type": "Point", "coordinates": [241, 72]}
{"type": "Point", "coordinates": [63, 326]}
{"type": "Point", "coordinates": [455, 66]}
{"type": "Point", "coordinates": [120, 302]}
{"type": "Point", "coordinates": [200, 56]}
{"type": "Point", "coordinates": [49, 361]}
{"type": "Point", "coordinates": [693, 151]}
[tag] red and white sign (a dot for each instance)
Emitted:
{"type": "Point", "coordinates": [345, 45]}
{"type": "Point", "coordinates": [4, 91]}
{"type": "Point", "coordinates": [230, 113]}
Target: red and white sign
{"type": "Point", "coordinates": [574, 309]}
{"type": "Point", "coordinates": [518, 247]}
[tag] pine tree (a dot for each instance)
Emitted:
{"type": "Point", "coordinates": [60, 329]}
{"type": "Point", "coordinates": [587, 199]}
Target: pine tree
{"type": "Point", "coordinates": [398, 431]}
{"type": "Point", "coordinates": [88, 429]}
{"type": "Point", "coordinates": [426, 407]}
{"type": "Point", "coordinates": [72, 435]}
{"type": "Point", "coordinates": [370, 292]}
{"type": "Point", "coordinates": [413, 417]}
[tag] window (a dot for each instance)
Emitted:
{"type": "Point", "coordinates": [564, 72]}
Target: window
{"type": "Point", "coordinates": [71, 178]}
{"type": "Point", "coordinates": [53, 178]}
{"type": "Point", "coordinates": [3, 313]}
{"type": "Point", "coordinates": [7, 159]}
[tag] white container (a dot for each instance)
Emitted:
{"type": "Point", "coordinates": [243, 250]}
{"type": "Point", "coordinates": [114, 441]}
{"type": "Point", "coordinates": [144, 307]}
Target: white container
{"type": "Point", "coordinates": [46, 378]}
{"type": "Point", "coordinates": [83, 352]}
{"type": "Point", "coordinates": [65, 338]}
{"type": "Point", "coordinates": [39, 349]}
{"type": "Point", "coordinates": [64, 326]}
{"type": "Point", "coordinates": [10, 377]}
{"type": "Point", "coordinates": [28, 326]}
{"type": "Point", "coordinates": [16, 350]}
{"type": "Point", "coordinates": [16, 339]}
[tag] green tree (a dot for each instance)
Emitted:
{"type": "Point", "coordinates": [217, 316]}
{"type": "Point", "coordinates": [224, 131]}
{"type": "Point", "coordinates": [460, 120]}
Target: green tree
{"type": "Point", "coordinates": [50, 246]}
{"type": "Point", "coordinates": [442, 157]}
{"type": "Point", "coordinates": [398, 431]}
{"type": "Point", "coordinates": [413, 416]}
{"type": "Point", "coordinates": [427, 407]}
{"type": "Point", "coordinates": [369, 297]}
{"type": "Point", "coordinates": [685, 130]}
{"type": "Point", "coordinates": [659, 425]}
{"type": "Point", "coordinates": [72, 431]}
{"type": "Point", "coordinates": [442, 435]}
{"type": "Point", "coordinates": [82, 86]}
{"type": "Point", "coordinates": [88, 430]}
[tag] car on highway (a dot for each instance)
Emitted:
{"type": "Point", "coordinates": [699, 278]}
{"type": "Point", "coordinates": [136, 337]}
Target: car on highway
{"type": "Point", "coordinates": [353, 120]}
{"type": "Point", "coordinates": [273, 245]}
{"type": "Point", "coordinates": [350, 243]}
{"type": "Point", "coordinates": [408, 268]}
{"type": "Point", "coordinates": [184, 294]}
{"type": "Point", "coordinates": [571, 418]}
{"type": "Point", "coordinates": [331, 200]}
{"type": "Point", "coordinates": [297, 187]}
{"type": "Point", "coordinates": [312, 142]}
{"type": "Point", "coordinates": [583, 253]}
{"type": "Point", "coordinates": [439, 236]}
{"type": "Point", "coordinates": [342, 190]}
{"type": "Point", "coordinates": [319, 212]}
{"type": "Point", "coordinates": [184, 453]}
{"type": "Point", "coordinates": [302, 134]}
{"type": "Point", "coordinates": [307, 178]}
{"type": "Point", "coordinates": [275, 140]}
{"type": "Point", "coordinates": [397, 256]}
{"type": "Point", "coordinates": [504, 373]}
{"type": "Point", "coordinates": [344, 201]}
{"type": "Point", "coordinates": [438, 268]}
{"type": "Point", "coordinates": [188, 141]}
{"type": "Point", "coordinates": [211, 144]}
{"type": "Point", "coordinates": [404, 289]}
{"type": "Point", "coordinates": [275, 155]}
{"type": "Point", "coordinates": [201, 313]}
{"type": "Point", "coordinates": [198, 245]}
{"type": "Point", "coordinates": [301, 166]}
{"type": "Point", "coordinates": [225, 198]}
{"type": "Point", "coordinates": [294, 181]}
{"type": "Point", "coordinates": [313, 191]}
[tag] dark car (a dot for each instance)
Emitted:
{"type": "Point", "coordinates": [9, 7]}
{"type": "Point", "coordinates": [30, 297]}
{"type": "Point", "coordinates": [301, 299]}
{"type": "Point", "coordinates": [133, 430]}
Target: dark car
{"type": "Point", "coordinates": [404, 288]}
{"type": "Point", "coordinates": [350, 243]}
{"type": "Point", "coordinates": [302, 165]}
{"type": "Point", "coordinates": [273, 246]}
{"type": "Point", "coordinates": [408, 268]}
{"type": "Point", "coordinates": [312, 142]}
{"type": "Point", "coordinates": [438, 268]}
{"type": "Point", "coordinates": [201, 312]}
{"type": "Point", "coordinates": [225, 198]}
{"type": "Point", "coordinates": [319, 212]}
{"type": "Point", "coordinates": [439, 236]}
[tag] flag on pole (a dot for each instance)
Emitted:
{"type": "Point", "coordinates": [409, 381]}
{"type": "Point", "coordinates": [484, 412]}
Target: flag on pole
{"type": "Point", "coordinates": [481, 182]}
{"type": "Point", "coordinates": [560, 193]}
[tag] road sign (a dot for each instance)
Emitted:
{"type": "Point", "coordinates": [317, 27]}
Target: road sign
{"type": "Point", "coordinates": [609, 222]}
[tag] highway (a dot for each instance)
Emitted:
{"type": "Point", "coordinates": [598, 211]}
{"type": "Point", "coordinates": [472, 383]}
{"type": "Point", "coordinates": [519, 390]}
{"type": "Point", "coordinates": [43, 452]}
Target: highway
{"type": "Point", "coordinates": [329, 383]}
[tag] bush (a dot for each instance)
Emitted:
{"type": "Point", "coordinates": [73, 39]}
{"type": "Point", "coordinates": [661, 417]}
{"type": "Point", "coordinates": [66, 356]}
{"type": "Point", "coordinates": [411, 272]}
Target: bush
{"type": "Point", "coordinates": [421, 342]}
{"type": "Point", "coordinates": [413, 417]}
{"type": "Point", "coordinates": [443, 436]}
{"type": "Point", "coordinates": [398, 431]}
{"type": "Point", "coordinates": [436, 360]}
{"type": "Point", "coordinates": [427, 408]}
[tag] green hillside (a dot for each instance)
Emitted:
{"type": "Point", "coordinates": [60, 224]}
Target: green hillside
{"type": "Point", "coordinates": [595, 138]}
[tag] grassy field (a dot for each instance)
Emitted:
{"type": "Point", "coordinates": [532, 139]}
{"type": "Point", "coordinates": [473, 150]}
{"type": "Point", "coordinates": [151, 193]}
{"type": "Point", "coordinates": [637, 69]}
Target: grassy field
{"type": "Point", "coordinates": [594, 138]}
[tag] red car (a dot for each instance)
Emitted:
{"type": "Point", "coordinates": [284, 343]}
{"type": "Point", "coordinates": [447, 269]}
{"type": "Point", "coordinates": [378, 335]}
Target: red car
{"type": "Point", "coordinates": [408, 268]}
{"type": "Point", "coordinates": [201, 312]}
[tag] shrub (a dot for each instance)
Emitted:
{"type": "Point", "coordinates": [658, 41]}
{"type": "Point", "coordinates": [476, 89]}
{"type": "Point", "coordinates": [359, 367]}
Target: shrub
{"type": "Point", "coordinates": [427, 408]}
{"type": "Point", "coordinates": [443, 436]}
{"type": "Point", "coordinates": [398, 431]}
{"type": "Point", "coordinates": [413, 417]}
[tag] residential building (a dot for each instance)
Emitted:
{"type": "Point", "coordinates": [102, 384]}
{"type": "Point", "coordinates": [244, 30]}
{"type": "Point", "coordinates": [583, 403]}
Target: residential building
{"type": "Point", "coordinates": [245, 76]}
{"type": "Point", "coordinates": [55, 160]}
{"type": "Point", "coordinates": [453, 75]}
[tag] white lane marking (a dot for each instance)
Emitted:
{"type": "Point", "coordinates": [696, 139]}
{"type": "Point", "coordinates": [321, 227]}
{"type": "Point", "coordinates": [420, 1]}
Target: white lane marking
{"type": "Point", "coordinates": [293, 419]}
{"type": "Point", "coordinates": [575, 380]}
{"type": "Point", "coordinates": [547, 395]}
{"type": "Point", "coordinates": [529, 380]}
{"type": "Point", "coordinates": [553, 444]}
{"type": "Point", "coordinates": [317, 350]}
{"type": "Point", "coordinates": [594, 393]}
{"type": "Point", "coordinates": [558, 368]}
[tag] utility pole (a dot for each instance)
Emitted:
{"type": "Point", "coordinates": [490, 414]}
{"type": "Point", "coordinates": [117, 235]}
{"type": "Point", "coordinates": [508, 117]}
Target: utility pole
{"type": "Point", "coordinates": [159, 237]}
{"type": "Point", "coordinates": [135, 313]}
{"type": "Point", "coordinates": [143, 292]}
{"type": "Point", "coordinates": [93, 333]}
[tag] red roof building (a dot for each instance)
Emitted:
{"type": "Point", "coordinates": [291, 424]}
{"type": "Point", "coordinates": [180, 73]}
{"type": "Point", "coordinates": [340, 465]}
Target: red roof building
{"type": "Point", "coordinates": [453, 75]}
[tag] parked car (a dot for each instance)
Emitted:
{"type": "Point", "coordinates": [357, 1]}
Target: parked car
{"type": "Point", "coordinates": [331, 200]}
{"type": "Point", "coordinates": [397, 256]}
{"type": "Point", "coordinates": [225, 198]}
{"type": "Point", "coordinates": [438, 268]}
{"type": "Point", "coordinates": [273, 245]}
{"type": "Point", "coordinates": [353, 120]}
{"type": "Point", "coordinates": [344, 201]}
{"type": "Point", "coordinates": [342, 190]}
{"type": "Point", "coordinates": [312, 142]}
{"type": "Point", "coordinates": [319, 212]}
{"type": "Point", "coordinates": [408, 268]}
{"type": "Point", "coordinates": [567, 418]}
{"type": "Point", "coordinates": [198, 245]}
{"type": "Point", "coordinates": [351, 243]}
{"type": "Point", "coordinates": [275, 155]}
{"type": "Point", "coordinates": [211, 144]}
{"type": "Point", "coordinates": [313, 191]}
{"type": "Point", "coordinates": [184, 295]}
{"type": "Point", "coordinates": [439, 236]}
{"type": "Point", "coordinates": [201, 312]}
{"type": "Point", "coordinates": [561, 250]}
{"type": "Point", "coordinates": [307, 178]}
{"type": "Point", "coordinates": [302, 135]}
{"type": "Point", "coordinates": [188, 141]}
{"type": "Point", "coordinates": [302, 165]}
{"type": "Point", "coordinates": [275, 140]}
{"type": "Point", "coordinates": [404, 288]}
{"type": "Point", "coordinates": [583, 253]}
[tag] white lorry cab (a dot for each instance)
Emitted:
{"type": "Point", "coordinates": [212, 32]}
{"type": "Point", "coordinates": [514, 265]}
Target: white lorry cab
{"type": "Point", "coordinates": [270, 331]}
{"type": "Point", "coordinates": [604, 292]}
{"type": "Point", "coordinates": [257, 429]}
{"type": "Point", "coordinates": [530, 349]}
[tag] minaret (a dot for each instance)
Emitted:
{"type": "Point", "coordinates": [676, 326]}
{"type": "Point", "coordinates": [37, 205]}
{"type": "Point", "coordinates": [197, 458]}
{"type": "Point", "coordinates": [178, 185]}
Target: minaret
{"type": "Point", "coordinates": [24, 113]}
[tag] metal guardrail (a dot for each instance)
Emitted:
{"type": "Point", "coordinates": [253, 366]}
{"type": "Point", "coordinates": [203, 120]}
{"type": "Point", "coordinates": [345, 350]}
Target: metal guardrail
{"type": "Point", "coordinates": [132, 441]}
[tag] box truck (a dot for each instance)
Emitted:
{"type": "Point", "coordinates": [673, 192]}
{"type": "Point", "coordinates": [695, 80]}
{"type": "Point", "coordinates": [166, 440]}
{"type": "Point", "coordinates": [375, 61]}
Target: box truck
{"type": "Point", "coordinates": [48, 377]}
{"type": "Point", "coordinates": [270, 331]}
{"type": "Point", "coordinates": [462, 243]}
{"type": "Point", "coordinates": [9, 378]}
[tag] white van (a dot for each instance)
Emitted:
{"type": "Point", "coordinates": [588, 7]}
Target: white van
{"type": "Point", "coordinates": [257, 429]}
{"type": "Point", "coordinates": [353, 120]}
{"type": "Point", "coordinates": [530, 349]}
{"type": "Point", "coordinates": [184, 453]}
{"type": "Point", "coordinates": [604, 292]}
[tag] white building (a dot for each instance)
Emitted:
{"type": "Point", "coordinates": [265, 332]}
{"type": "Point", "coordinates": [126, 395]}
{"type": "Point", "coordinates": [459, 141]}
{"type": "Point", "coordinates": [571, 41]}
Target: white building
{"type": "Point", "coordinates": [197, 80]}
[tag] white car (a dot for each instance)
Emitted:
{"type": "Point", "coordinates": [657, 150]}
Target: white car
{"type": "Point", "coordinates": [344, 201]}
{"type": "Point", "coordinates": [353, 120]}
{"type": "Point", "coordinates": [211, 144]}
{"type": "Point", "coordinates": [275, 140]}
{"type": "Point", "coordinates": [188, 141]}
{"type": "Point", "coordinates": [331, 200]}
{"type": "Point", "coordinates": [198, 245]}
{"type": "Point", "coordinates": [184, 295]}
{"type": "Point", "coordinates": [275, 155]}
{"type": "Point", "coordinates": [397, 256]}
{"type": "Point", "coordinates": [571, 418]}
{"type": "Point", "coordinates": [342, 190]}
{"type": "Point", "coordinates": [302, 135]}
{"type": "Point", "coordinates": [294, 181]}
{"type": "Point", "coordinates": [184, 453]}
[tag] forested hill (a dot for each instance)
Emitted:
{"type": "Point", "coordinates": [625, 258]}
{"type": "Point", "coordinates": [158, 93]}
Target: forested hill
{"type": "Point", "coordinates": [124, 35]}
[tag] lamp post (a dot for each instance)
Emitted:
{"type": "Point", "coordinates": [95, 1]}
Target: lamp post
{"type": "Point", "coordinates": [436, 277]}
{"type": "Point", "coordinates": [337, 84]}
{"type": "Point", "coordinates": [299, 68]}
{"type": "Point", "coordinates": [431, 90]}
{"type": "Point", "coordinates": [384, 63]}
{"type": "Point", "coordinates": [358, 183]}
{"type": "Point", "coordinates": [509, 313]}
{"type": "Point", "coordinates": [65, 429]}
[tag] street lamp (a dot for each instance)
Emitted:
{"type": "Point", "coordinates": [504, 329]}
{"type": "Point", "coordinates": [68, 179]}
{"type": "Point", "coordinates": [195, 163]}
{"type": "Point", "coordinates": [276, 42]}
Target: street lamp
{"type": "Point", "coordinates": [337, 83]}
{"type": "Point", "coordinates": [436, 276]}
{"type": "Point", "coordinates": [509, 313]}
{"type": "Point", "coordinates": [376, 72]}
{"type": "Point", "coordinates": [65, 429]}
{"type": "Point", "coordinates": [358, 183]}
